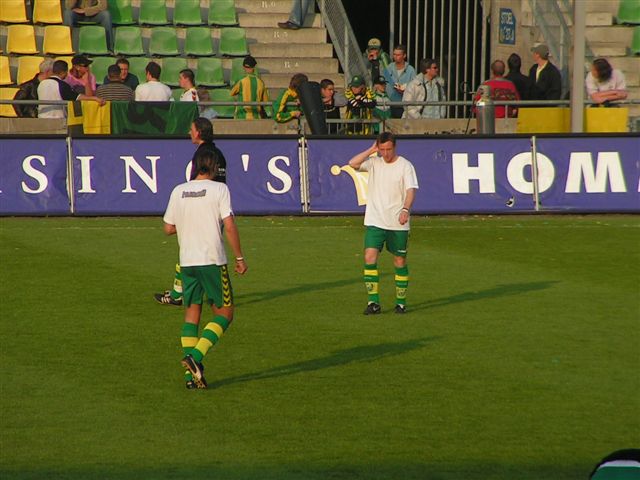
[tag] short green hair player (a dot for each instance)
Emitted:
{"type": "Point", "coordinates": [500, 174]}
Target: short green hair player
{"type": "Point", "coordinates": [391, 191]}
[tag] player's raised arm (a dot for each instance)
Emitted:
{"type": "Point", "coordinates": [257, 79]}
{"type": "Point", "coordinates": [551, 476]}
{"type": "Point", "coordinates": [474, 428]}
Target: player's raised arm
{"type": "Point", "coordinates": [233, 237]}
{"type": "Point", "coordinates": [358, 159]}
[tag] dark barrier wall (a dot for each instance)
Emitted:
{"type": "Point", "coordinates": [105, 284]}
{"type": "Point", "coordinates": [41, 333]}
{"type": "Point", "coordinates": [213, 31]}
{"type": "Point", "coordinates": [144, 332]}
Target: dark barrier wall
{"type": "Point", "coordinates": [267, 175]}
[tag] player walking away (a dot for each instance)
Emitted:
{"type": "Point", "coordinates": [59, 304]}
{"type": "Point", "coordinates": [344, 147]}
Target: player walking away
{"type": "Point", "coordinates": [202, 135]}
{"type": "Point", "coordinates": [391, 191]}
{"type": "Point", "coordinates": [197, 211]}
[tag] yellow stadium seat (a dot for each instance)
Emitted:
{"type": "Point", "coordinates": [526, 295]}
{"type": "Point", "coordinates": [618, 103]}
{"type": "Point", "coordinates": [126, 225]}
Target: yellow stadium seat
{"type": "Point", "coordinates": [6, 109]}
{"type": "Point", "coordinates": [5, 71]}
{"type": "Point", "coordinates": [21, 39]}
{"type": "Point", "coordinates": [28, 67]}
{"type": "Point", "coordinates": [57, 40]}
{"type": "Point", "coordinates": [47, 11]}
{"type": "Point", "coordinates": [13, 11]}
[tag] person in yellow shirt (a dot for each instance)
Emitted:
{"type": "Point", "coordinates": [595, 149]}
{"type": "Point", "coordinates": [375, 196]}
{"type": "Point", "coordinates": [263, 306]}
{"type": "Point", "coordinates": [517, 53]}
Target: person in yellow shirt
{"type": "Point", "coordinates": [250, 89]}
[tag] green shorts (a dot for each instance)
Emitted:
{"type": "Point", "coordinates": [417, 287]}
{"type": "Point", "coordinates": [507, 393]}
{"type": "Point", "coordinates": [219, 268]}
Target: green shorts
{"type": "Point", "coordinates": [396, 240]}
{"type": "Point", "coordinates": [212, 280]}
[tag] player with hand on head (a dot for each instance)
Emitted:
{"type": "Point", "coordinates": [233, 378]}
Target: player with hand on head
{"type": "Point", "coordinates": [392, 187]}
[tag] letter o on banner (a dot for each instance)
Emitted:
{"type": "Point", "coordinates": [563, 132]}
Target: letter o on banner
{"type": "Point", "coordinates": [515, 173]}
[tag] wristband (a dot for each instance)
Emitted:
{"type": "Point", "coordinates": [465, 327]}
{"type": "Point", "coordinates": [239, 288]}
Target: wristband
{"type": "Point", "coordinates": [405, 209]}
{"type": "Point", "coordinates": [239, 259]}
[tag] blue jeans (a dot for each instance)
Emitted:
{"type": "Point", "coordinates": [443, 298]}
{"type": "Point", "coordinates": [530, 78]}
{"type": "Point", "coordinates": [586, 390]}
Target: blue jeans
{"type": "Point", "coordinates": [299, 10]}
{"type": "Point", "coordinates": [72, 18]}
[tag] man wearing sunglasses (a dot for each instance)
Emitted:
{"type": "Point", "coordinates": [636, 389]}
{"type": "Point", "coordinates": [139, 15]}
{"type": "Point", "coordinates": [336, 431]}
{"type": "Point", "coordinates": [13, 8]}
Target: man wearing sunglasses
{"type": "Point", "coordinates": [427, 86]}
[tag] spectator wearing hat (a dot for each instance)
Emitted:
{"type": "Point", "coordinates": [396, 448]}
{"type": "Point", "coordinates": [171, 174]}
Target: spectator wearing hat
{"type": "Point", "coordinates": [76, 11]}
{"type": "Point", "coordinates": [545, 78]}
{"type": "Point", "coordinates": [382, 110]}
{"type": "Point", "coordinates": [115, 89]}
{"type": "Point", "coordinates": [398, 74]}
{"type": "Point", "coordinates": [283, 112]}
{"type": "Point", "coordinates": [250, 88]}
{"type": "Point", "coordinates": [153, 90]}
{"type": "Point", "coordinates": [129, 79]}
{"type": "Point", "coordinates": [428, 86]}
{"type": "Point", "coordinates": [360, 104]}
{"type": "Point", "coordinates": [186, 80]}
{"type": "Point", "coordinates": [299, 9]}
{"type": "Point", "coordinates": [80, 78]}
{"type": "Point", "coordinates": [376, 60]}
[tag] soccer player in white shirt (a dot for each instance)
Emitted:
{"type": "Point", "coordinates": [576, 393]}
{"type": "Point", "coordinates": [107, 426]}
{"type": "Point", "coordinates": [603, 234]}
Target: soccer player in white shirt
{"type": "Point", "coordinates": [197, 212]}
{"type": "Point", "coordinates": [392, 187]}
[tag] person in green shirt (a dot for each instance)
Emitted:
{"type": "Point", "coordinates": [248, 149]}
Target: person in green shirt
{"type": "Point", "coordinates": [250, 89]}
{"type": "Point", "coordinates": [284, 113]}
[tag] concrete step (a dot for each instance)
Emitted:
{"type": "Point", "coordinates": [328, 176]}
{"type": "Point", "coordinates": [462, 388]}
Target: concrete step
{"type": "Point", "coordinates": [609, 6]}
{"type": "Point", "coordinates": [613, 34]}
{"type": "Point", "coordinates": [608, 49]}
{"type": "Point", "coordinates": [272, 19]}
{"type": "Point", "coordinates": [278, 81]}
{"type": "Point", "coordinates": [292, 50]}
{"type": "Point", "coordinates": [593, 19]}
{"type": "Point", "coordinates": [280, 35]}
{"type": "Point", "coordinates": [264, 6]}
{"type": "Point", "coordinates": [295, 65]}
{"type": "Point", "coordinates": [627, 64]}
{"type": "Point", "coordinates": [632, 79]}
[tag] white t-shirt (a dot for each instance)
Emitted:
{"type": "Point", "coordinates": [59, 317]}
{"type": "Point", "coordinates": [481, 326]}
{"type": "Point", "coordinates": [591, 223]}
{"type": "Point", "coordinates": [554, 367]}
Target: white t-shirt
{"type": "Point", "coordinates": [387, 191]}
{"type": "Point", "coordinates": [153, 92]}
{"type": "Point", "coordinates": [190, 95]}
{"type": "Point", "coordinates": [197, 209]}
{"type": "Point", "coordinates": [616, 82]}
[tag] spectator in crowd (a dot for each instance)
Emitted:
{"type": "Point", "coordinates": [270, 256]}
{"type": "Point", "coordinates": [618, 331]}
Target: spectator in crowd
{"type": "Point", "coordinates": [153, 90]}
{"type": "Point", "coordinates": [376, 60]}
{"type": "Point", "coordinates": [522, 82]}
{"type": "Point", "coordinates": [604, 83]}
{"type": "Point", "coordinates": [186, 79]}
{"type": "Point", "coordinates": [428, 86]}
{"type": "Point", "coordinates": [382, 110]}
{"type": "Point", "coordinates": [360, 104]}
{"type": "Point", "coordinates": [397, 75]}
{"type": "Point", "coordinates": [331, 105]}
{"type": "Point", "coordinates": [29, 90]}
{"type": "Point", "coordinates": [80, 78]}
{"type": "Point", "coordinates": [115, 89]}
{"type": "Point", "coordinates": [129, 79]}
{"type": "Point", "coordinates": [76, 11]}
{"type": "Point", "coordinates": [501, 90]}
{"type": "Point", "coordinates": [284, 113]}
{"type": "Point", "coordinates": [206, 111]}
{"type": "Point", "coordinates": [299, 9]}
{"type": "Point", "coordinates": [55, 88]}
{"type": "Point", "coordinates": [250, 88]}
{"type": "Point", "coordinates": [546, 82]}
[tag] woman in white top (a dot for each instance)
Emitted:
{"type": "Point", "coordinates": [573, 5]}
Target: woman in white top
{"type": "Point", "coordinates": [604, 83]}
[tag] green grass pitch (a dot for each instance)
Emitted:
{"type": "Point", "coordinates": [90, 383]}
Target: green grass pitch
{"type": "Point", "coordinates": [519, 357]}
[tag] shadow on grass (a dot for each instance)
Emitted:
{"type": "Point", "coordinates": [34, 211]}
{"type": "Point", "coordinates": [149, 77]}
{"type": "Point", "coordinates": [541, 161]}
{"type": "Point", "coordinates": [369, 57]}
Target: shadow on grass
{"type": "Point", "coordinates": [494, 292]}
{"type": "Point", "coordinates": [365, 353]}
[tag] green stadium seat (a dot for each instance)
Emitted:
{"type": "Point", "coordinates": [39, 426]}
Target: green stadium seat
{"type": "Point", "coordinates": [21, 39]}
{"type": "Point", "coordinates": [198, 42]}
{"type": "Point", "coordinates": [47, 11]}
{"type": "Point", "coordinates": [6, 109]}
{"type": "Point", "coordinates": [176, 93]}
{"type": "Point", "coordinates": [187, 12]}
{"type": "Point", "coordinates": [153, 12]}
{"type": "Point", "coordinates": [629, 12]}
{"type": "Point", "coordinates": [222, 13]}
{"type": "Point", "coordinates": [27, 68]}
{"type": "Point", "coordinates": [137, 66]}
{"type": "Point", "coordinates": [128, 41]}
{"type": "Point", "coordinates": [210, 72]}
{"type": "Point", "coordinates": [99, 67]}
{"type": "Point", "coordinates": [92, 40]}
{"type": "Point", "coordinates": [121, 12]}
{"type": "Point", "coordinates": [233, 42]}
{"type": "Point", "coordinates": [57, 40]}
{"type": "Point", "coordinates": [5, 71]}
{"type": "Point", "coordinates": [237, 71]}
{"type": "Point", "coordinates": [13, 11]}
{"type": "Point", "coordinates": [222, 95]}
{"type": "Point", "coordinates": [171, 67]}
{"type": "Point", "coordinates": [635, 41]}
{"type": "Point", "coordinates": [164, 42]}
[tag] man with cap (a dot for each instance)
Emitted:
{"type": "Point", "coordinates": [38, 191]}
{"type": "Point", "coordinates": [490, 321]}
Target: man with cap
{"type": "Point", "coordinates": [382, 110]}
{"type": "Point", "coordinates": [80, 78]}
{"type": "Point", "coordinates": [299, 9]}
{"type": "Point", "coordinates": [76, 11]}
{"type": "Point", "coordinates": [115, 89]}
{"type": "Point", "coordinates": [376, 60]}
{"type": "Point", "coordinates": [250, 89]}
{"type": "Point", "coordinates": [360, 104]}
{"type": "Point", "coordinates": [546, 81]}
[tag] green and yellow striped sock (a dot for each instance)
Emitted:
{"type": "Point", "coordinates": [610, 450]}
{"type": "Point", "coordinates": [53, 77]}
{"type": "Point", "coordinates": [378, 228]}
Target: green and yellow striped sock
{"type": "Point", "coordinates": [176, 292]}
{"type": "Point", "coordinates": [210, 335]}
{"type": "Point", "coordinates": [402, 282]}
{"type": "Point", "coordinates": [188, 339]}
{"type": "Point", "coordinates": [371, 282]}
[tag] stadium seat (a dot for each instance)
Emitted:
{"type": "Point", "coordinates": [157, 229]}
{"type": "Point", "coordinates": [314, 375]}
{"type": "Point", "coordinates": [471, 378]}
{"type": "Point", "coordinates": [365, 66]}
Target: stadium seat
{"type": "Point", "coordinates": [164, 42]}
{"type": "Point", "coordinates": [13, 11]}
{"type": "Point", "coordinates": [27, 68]}
{"type": "Point", "coordinates": [99, 67]}
{"type": "Point", "coordinates": [237, 71]}
{"type": "Point", "coordinates": [635, 41]}
{"type": "Point", "coordinates": [198, 42]}
{"type": "Point", "coordinates": [210, 72]}
{"type": "Point", "coordinates": [171, 67]}
{"type": "Point", "coordinates": [153, 12]}
{"type": "Point", "coordinates": [6, 109]}
{"type": "Point", "coordinates": [128, 41]}
{"type": "Point", "coordinates": [233, 42]}
{"type": "Point", "coordinates": [57, 40]}
{"type": "Point", "coordinates": [121, 12]}
{"type": "Point", "coordinates": [222, 13]}
{"type": "Point", "coordinates": [47, 11]}
{"type": "Point", "coordinates": [187, 12]}
{"type": "Point", "coordinates": [222, 95]}
{"type": "Point", "coordinates": [5, 71]}
{"type": "Point", "coordinates": [137, 66]}
{"type": "Point", "coordinates": [93, 40]}
{"type": "Point", "coordinates": [629, 12]}
{"type": "Point", "coordinates": [21, 39]}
